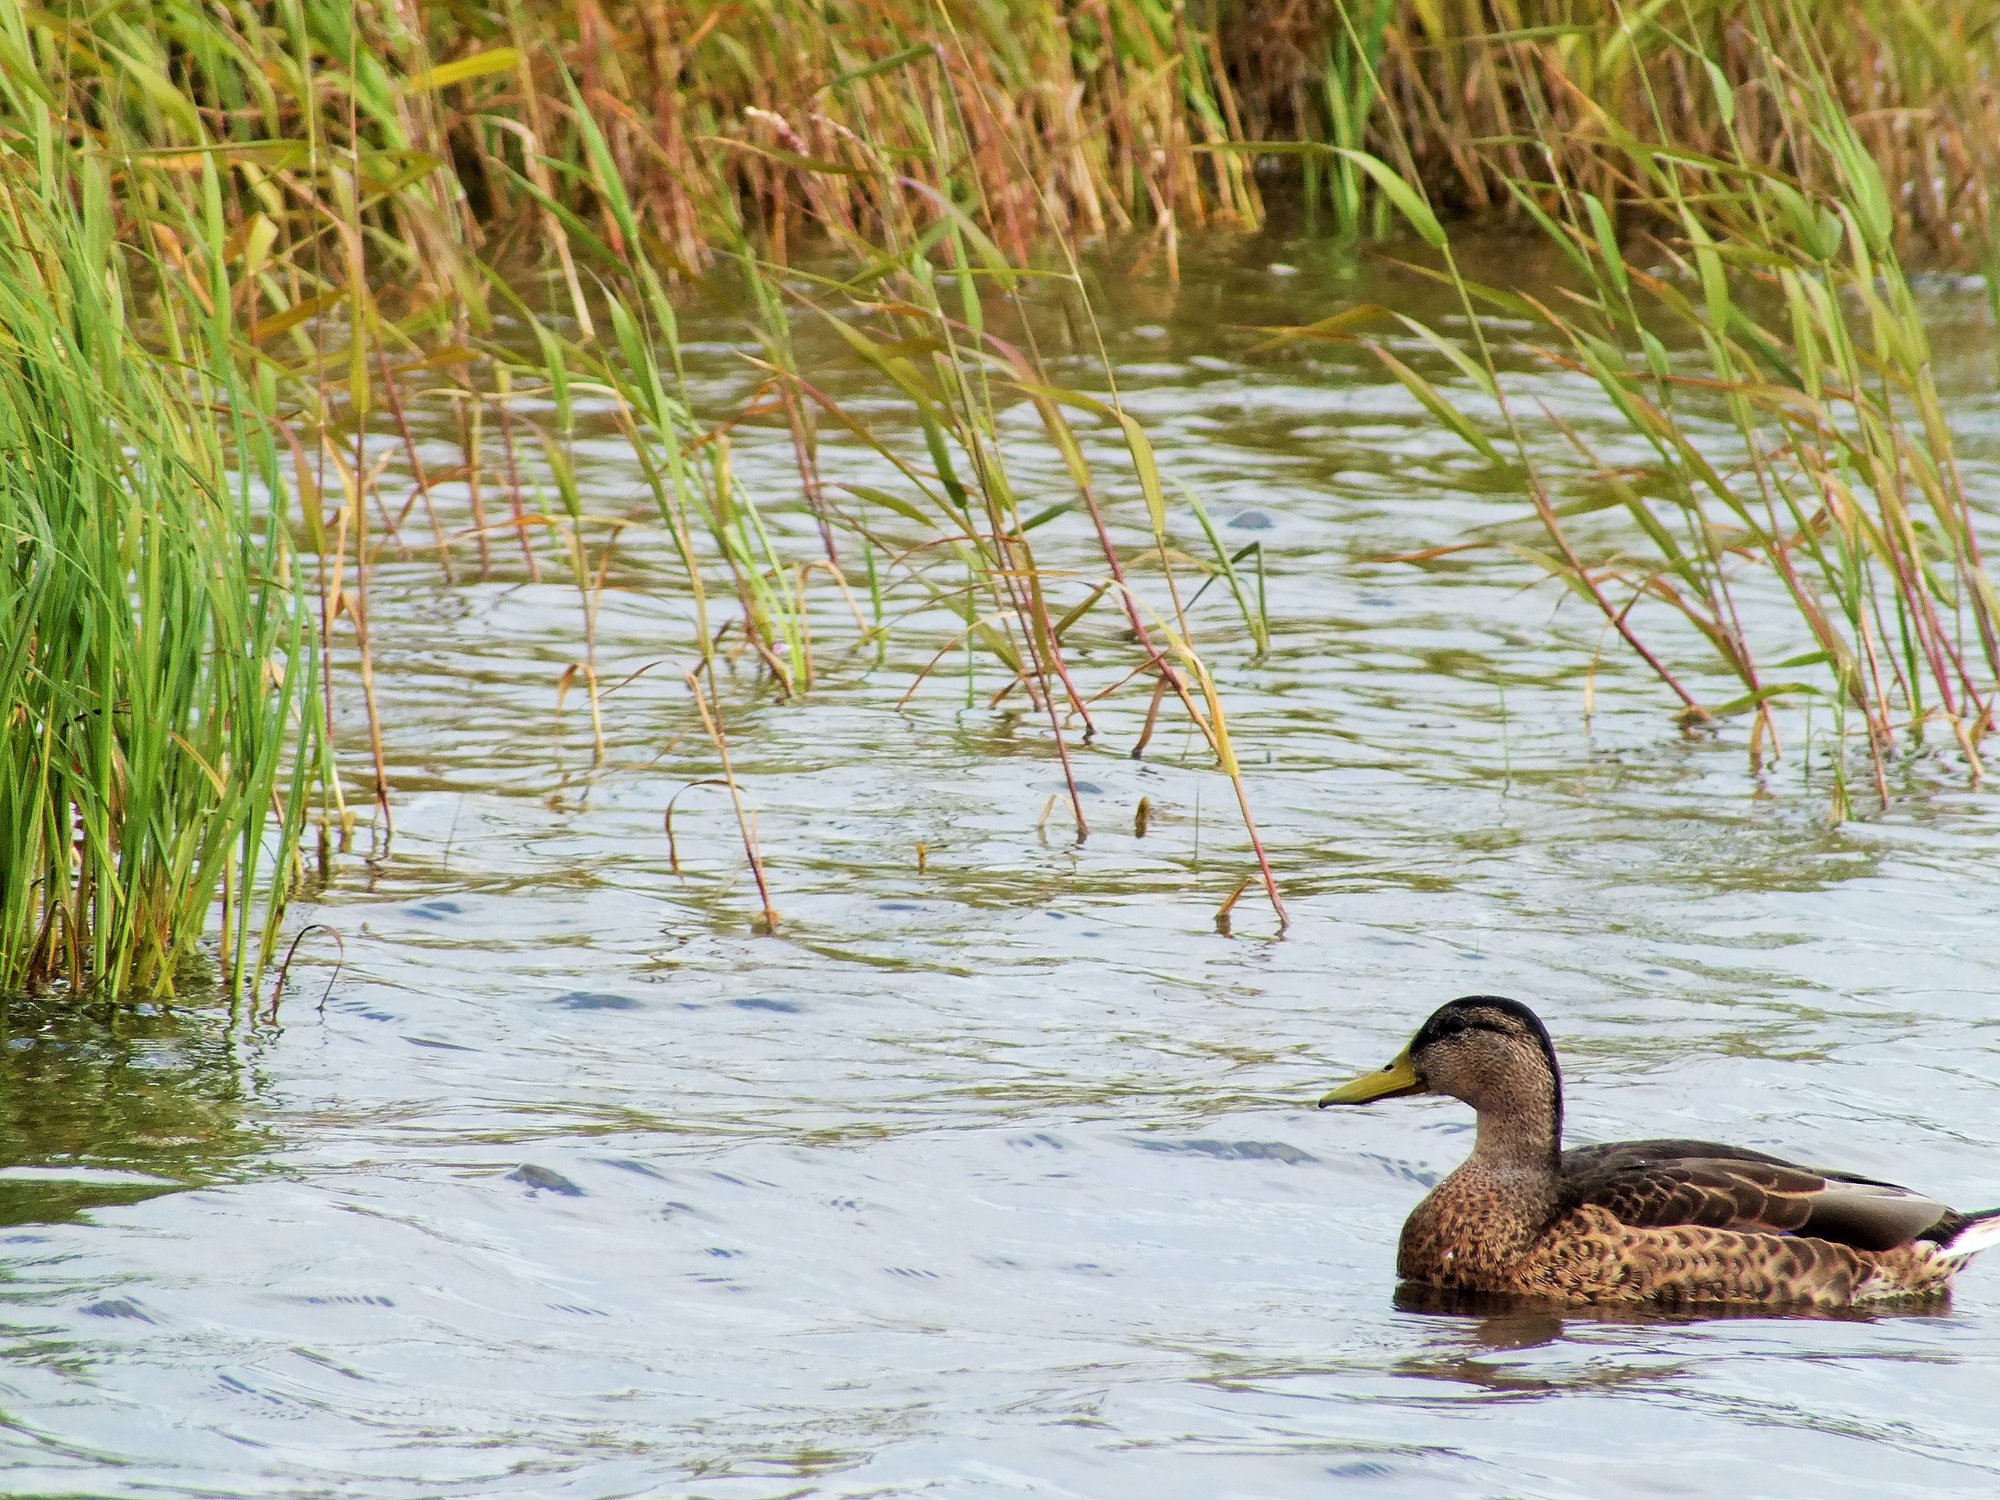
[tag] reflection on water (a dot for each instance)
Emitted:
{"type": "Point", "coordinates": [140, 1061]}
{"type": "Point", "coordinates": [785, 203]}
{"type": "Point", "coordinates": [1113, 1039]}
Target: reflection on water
{"type": "Point", "coordinates": [103, 1106]}
{"type": "Point", "coordinates": [1484, 1320]}
{"type": "Point", "coordinates": [1472, 1326]}
{"type": "Point", "coordinates": [996, 1173]}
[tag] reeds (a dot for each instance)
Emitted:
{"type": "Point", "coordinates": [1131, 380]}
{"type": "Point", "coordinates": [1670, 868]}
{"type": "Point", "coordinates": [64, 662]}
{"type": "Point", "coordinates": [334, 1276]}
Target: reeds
{"type": "Point", "coordinates": [934, 309]}
{"type": "Point", "coordinates": [1085, 118]}
{"type": "Point", "coordinates": [158, 689]}
{"type": "Point", "coordinates": [1771, 305]}
{"type": "Point", "coordinates": [411, 143]}
{"type": "Point", "coordinates": [1479, 95]}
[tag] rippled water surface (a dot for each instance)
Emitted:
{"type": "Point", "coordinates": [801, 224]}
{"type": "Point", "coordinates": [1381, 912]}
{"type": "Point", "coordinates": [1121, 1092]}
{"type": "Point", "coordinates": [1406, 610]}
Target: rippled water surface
{"type": "Point", "coordinates": [993, 1171]}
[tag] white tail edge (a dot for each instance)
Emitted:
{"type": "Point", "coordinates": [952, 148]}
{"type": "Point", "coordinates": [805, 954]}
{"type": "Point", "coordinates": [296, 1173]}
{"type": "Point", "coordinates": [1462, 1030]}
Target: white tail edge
{"type": "Point", "coordinates": [1983, 1233]}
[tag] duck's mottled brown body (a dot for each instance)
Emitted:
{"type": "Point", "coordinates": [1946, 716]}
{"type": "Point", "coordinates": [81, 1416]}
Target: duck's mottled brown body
{"type": "Point", "coordinates": [1496, 1232]}
{"type": "Point", "coordinates": [1666, 1223]}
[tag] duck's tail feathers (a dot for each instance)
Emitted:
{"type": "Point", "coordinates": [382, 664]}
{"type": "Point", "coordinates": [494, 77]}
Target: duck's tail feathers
{"type": "Point", "coordinates": [1978, 1232]}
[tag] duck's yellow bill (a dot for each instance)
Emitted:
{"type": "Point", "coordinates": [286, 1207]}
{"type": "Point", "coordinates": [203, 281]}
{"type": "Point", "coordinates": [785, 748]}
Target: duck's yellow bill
{"type": "Point", "coordinates": [1399, 1077]}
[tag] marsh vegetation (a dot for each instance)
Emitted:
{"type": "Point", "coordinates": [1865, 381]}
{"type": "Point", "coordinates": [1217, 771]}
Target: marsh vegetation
{"type": "Point", "coordinates": [380, 275]}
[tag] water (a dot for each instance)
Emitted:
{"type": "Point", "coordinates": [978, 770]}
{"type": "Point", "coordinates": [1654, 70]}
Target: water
{"type": "Point", "coordinates": [995, 1173]}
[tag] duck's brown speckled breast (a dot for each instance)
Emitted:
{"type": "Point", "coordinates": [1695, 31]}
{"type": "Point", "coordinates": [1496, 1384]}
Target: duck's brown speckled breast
{"type": "Point", "coordinates": [1472, 1231]}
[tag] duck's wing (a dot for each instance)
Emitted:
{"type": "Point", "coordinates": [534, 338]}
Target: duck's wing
{"type": "Point", "coordinates": [1657, 1184]}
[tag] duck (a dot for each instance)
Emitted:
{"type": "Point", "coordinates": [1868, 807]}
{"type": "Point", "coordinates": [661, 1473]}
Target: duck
{"type": "Point", "coordinates": [1658, 1224]}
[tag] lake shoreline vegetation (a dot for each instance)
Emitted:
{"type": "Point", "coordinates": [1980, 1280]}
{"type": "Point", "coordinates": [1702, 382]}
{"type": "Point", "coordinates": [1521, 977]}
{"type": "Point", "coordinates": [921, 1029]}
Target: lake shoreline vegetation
{"type": "Point", "coordinates": [254, 246]}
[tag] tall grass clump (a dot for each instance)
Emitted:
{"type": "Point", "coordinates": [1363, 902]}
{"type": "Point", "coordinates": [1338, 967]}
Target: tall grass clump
{"type": "Point", "coordinates": [157, 668]}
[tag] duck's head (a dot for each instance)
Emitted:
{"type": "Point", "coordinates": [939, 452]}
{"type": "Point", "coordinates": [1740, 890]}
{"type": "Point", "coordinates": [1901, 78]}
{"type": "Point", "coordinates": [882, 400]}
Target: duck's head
{"type": "Point", "coordinates": [1492, 1052]}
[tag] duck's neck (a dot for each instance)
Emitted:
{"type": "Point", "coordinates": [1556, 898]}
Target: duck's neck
{"type": "Point", "coordinates": [1519, 1135]}
{"type": "Point", "coordinates": [1519, 1143]}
